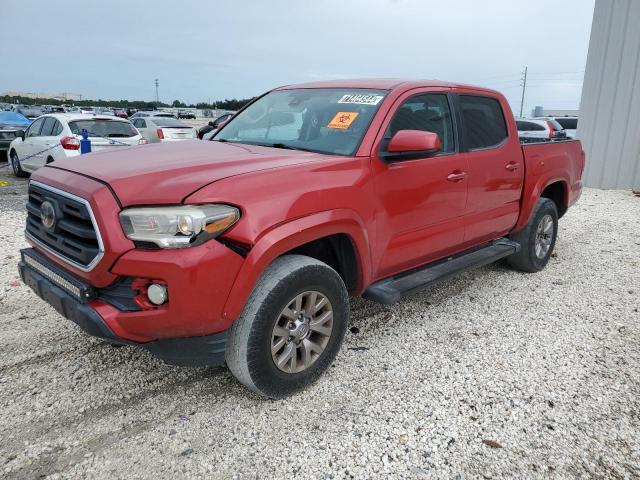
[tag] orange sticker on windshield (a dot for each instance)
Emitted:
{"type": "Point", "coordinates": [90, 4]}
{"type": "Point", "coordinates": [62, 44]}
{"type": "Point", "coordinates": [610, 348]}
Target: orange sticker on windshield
{"type": "Point", "coordinates": [342, 120]}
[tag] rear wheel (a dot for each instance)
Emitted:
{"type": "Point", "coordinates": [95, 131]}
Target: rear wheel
{"type": "Point", "coordinates": [291, 328]}
{"type": "Point", "coordinates": [537, 239]}
{"type": "Point", "coordinates": [15, 165]}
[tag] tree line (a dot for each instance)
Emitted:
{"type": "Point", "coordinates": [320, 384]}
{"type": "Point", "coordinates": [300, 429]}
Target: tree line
{"type": "Point", "coordinates": [227, 104]}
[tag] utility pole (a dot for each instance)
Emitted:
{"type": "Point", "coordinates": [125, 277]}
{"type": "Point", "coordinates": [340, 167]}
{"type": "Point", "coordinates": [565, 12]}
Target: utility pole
{"type": "Point", "coordinates": [157, 84]}
{"type": "Point", "coordinates": [524, 87]}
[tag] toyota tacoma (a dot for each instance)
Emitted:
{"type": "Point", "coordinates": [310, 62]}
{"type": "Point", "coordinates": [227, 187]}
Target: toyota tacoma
{"type": "Point", "coordinates": [245, 249]}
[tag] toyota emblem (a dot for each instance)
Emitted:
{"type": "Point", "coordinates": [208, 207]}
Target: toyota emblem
{"type": "Point", "coordinates": [48, 215]}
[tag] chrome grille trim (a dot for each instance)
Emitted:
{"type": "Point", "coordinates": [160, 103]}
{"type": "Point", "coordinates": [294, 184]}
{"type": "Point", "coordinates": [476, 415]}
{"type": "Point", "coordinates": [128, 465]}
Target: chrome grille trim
{"type": "Point", "coordinates": [96, 260]}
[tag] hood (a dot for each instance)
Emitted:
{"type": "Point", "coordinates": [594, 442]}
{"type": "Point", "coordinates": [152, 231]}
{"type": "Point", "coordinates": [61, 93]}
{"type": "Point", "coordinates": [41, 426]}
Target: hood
{"type": "Point", "coordinates": [166, 173]}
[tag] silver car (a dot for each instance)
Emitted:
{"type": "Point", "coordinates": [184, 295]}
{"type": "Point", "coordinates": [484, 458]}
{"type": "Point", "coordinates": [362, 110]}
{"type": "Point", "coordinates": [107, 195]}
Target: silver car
{"type": "Point", "coordinates": [163, 129]}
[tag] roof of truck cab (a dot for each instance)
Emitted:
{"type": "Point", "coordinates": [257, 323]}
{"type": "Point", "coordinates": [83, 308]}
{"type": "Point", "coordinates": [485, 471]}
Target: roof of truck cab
{"type": "Point", "coordinates": [384, 84]}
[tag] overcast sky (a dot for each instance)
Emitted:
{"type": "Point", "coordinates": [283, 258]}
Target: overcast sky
{"type": "Point", "coordinates": [211, 50]}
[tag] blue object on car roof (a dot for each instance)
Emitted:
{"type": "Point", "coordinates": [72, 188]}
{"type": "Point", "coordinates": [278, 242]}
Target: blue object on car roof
{"type": "Point", "coordinates": [14, 118]}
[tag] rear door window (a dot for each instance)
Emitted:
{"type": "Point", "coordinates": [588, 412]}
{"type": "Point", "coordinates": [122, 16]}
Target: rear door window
{"type": "Point", "coordinates": [484, 124]}
{"type": "Point", "coordinates": [47, 127]}
{"type": "Point", "coordinates": [57, 129]}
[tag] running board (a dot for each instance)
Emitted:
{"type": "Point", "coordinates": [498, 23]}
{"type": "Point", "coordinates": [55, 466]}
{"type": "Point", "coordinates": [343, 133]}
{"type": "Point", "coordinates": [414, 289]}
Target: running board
{"type": "Point", "coordinates": [391, 289]}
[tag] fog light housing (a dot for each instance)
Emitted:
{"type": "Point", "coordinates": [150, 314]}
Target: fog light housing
{"type": "Point", "coordinates": [157, 294]}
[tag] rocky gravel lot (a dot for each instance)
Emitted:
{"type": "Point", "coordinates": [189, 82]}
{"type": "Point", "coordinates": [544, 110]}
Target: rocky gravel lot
{"type": "Point", "coordinates": [492, 374]}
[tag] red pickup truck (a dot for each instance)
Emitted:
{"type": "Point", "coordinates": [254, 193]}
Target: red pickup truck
{"type": "Point", "coordinates": [245, 249]}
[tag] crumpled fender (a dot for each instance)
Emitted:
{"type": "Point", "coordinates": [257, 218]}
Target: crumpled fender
{"type": "Point", "coordinates": [289, 235]}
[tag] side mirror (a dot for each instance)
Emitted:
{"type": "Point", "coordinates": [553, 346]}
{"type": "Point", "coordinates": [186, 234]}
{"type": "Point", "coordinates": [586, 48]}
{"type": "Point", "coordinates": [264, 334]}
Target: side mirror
{"type": "Point", "coordinates": [20, 134]}
{"type": "Point", "coordinates": [212, 124]}
{"type": "Point", "coordinates": [411, 144]}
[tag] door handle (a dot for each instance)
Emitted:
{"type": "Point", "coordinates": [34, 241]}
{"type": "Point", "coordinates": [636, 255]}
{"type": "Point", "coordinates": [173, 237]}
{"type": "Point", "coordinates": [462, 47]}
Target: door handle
{"type": "Point", "coordinates": [456, 176]}
{"type": "Point", "coordinates": [512, 166]}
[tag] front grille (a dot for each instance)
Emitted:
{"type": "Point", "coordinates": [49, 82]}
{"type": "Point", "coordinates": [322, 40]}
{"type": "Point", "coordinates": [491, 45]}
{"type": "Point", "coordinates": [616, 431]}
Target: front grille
{"type": "Point", "coordinates": [74, 236]}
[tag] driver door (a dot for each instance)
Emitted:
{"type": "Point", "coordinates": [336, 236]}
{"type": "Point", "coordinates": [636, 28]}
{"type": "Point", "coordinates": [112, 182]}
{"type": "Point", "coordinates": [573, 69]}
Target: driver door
{"type": "Point", "coordinates": [421, 202]}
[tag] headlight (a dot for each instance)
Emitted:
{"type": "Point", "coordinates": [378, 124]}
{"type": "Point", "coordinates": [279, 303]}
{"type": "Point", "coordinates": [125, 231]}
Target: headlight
{"type": "Point", "coordinates": [177, 227]}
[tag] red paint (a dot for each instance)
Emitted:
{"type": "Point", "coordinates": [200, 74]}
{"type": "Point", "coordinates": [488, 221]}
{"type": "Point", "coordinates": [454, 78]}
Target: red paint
{"type": "Point", "coordinates": [398, 215]}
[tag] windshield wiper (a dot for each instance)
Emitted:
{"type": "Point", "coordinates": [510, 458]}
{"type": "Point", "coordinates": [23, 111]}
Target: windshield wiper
{"type": "Point", "coordinates": [285, 147]}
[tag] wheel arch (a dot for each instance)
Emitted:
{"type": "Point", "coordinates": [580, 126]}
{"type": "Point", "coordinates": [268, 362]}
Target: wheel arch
{"type": "Point", "coordinates": [556, 189]}
{"type": "Point", "coordinates": [319, 236]}
{"type": "Point", "coordinates": [558, 192]}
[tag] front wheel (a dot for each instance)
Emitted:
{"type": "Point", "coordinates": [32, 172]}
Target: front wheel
{"type": "Point", "coordinates": [291, 328]}
{"type": "Point", "coordinates": [15, 165]}
{"type": "Point", "coordinates": [537, 239]}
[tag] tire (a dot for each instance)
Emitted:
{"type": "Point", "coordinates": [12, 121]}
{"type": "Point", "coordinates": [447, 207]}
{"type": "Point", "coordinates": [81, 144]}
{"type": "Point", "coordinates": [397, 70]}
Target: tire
{"type": "Point", "coordinates": [15, 165]}
{"type": "Point", "coordinates": [249, 348]}
{"type": "Point", "coordinates": [535, 250]}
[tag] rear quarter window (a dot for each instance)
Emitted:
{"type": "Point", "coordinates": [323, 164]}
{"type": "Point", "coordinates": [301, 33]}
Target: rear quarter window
{"type": "Point", "coordinates": [484, 123]}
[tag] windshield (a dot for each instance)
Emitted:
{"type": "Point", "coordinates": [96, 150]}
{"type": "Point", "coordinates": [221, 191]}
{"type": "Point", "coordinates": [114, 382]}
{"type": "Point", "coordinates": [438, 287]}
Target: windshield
{"type": "Point", "coordinates": [103, 128]}
{"type": "Point", "coordinates": [331, 120]}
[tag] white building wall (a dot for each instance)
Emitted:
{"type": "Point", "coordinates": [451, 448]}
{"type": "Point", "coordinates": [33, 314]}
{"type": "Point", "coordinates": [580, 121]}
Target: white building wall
{"type": "Point", "coordinates": [609, 124]}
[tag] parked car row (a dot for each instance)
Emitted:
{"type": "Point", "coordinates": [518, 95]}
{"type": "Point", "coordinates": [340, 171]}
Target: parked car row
{"type": "Point", "coordinates": [57, 136]}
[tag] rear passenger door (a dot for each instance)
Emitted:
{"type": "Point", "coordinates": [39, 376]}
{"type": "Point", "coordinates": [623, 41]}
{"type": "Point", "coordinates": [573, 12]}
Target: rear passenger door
{"type": "Point", "coordinates": [48, 140]}
{"type": "Point", "coordinates": [495, 167]}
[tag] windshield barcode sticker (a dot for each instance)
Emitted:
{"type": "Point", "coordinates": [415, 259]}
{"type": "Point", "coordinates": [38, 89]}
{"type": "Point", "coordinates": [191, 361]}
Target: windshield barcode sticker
{"type": "Point", "coordinates": [361, 99]}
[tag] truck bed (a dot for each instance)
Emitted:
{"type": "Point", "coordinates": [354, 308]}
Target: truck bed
{"type": "Point", "coordinates": [547, 162]}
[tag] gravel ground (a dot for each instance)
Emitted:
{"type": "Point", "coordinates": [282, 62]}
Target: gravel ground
{"type": "Point", "coordinates": [492, 374]}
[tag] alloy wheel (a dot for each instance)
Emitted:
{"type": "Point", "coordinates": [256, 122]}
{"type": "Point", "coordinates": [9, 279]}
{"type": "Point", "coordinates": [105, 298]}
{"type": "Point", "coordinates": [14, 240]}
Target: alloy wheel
{"type": "Point", "coordinates": [544, 236]}
{"type": "Point", "coordinates": [301, 332]}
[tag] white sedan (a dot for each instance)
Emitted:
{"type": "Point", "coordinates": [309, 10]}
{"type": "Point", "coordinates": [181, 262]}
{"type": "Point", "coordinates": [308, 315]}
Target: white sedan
{"type": "Point", "coordinates": [163, 129]}
{"type": "Point", "coordinates": [57, 136]}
